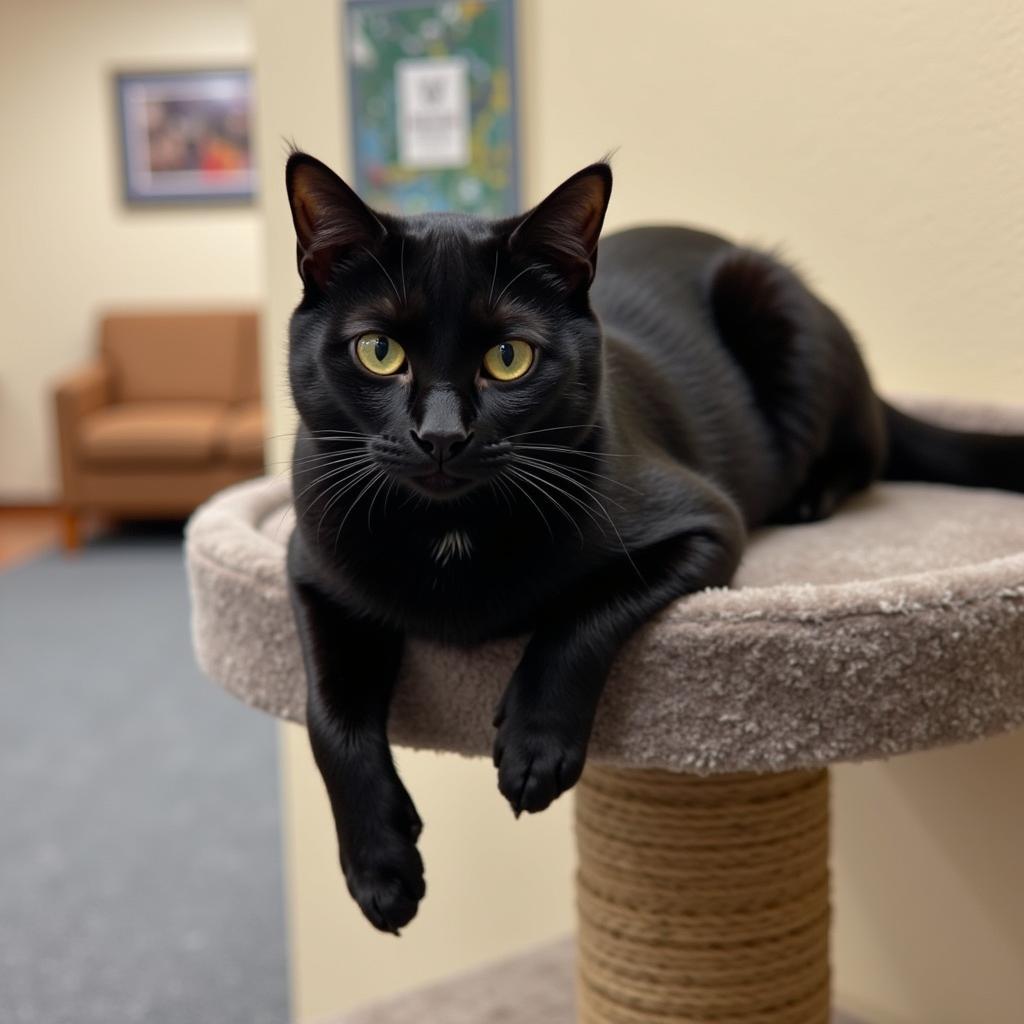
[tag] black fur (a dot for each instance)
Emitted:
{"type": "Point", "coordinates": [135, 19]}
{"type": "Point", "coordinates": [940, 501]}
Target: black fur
{"type": "Point", "coordinates": [682, 393]}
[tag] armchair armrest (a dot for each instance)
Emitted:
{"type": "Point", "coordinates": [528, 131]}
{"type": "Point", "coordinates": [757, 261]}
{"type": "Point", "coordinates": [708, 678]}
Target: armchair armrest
{"type": "Point", "coordinates": [84, 390]}
{"type": "Point", "coordinates": [76, 396]}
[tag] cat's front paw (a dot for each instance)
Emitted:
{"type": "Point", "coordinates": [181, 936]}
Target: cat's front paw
{"type": "Point", "coordinates": [536, 763]}
{"type": "Point", "coordinates": [385, 877]}
{"type": "Point", "coordinates": [377, 836]}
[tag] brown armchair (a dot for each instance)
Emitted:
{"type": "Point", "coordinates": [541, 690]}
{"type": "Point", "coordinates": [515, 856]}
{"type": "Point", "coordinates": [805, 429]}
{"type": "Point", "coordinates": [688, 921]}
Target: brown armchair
{"type": "Point", "coordinates": [167, 414]}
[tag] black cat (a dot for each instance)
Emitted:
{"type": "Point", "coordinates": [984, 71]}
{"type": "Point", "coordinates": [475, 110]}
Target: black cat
{"type": "Point", "coordinates": [497, 439]}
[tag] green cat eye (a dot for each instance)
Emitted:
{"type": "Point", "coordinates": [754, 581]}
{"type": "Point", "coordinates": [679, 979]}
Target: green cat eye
{"type": "Point", "coordinates": [380, 354]}
{"type": "Point", "coordinates": [509, 360]}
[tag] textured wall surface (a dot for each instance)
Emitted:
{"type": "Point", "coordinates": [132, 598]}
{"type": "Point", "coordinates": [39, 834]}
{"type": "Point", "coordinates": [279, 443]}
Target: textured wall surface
{"type": "Point", "coordinates": [877, 143]}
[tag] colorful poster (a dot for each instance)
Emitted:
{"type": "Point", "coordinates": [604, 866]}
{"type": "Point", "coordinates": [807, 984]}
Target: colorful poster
{"type": "Point", "coordinates": [433, 104]}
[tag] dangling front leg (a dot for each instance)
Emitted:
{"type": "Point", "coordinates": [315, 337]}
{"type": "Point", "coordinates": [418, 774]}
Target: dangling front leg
{"type": "Point", "coordinates": [545, 718]}
{"type": "Point", "coordinates": [351, 667]}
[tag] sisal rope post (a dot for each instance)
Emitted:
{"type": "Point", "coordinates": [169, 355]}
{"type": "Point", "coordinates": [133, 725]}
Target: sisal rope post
{"type": "Point", "coordinates": [703, 900]}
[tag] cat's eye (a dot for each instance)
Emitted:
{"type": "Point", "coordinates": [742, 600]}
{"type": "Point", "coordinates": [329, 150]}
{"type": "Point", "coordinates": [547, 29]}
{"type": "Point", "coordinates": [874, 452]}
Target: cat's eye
{"type": "Point", "coordinates": [380, 354]}
{"type": "Point", "coordinates": [509, 360]}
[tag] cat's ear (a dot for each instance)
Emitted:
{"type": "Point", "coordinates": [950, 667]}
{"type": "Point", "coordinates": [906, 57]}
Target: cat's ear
{"type": "Point", "coordinates": [562, 230]}
{"type": "Point", "coordinates": [329, 217]}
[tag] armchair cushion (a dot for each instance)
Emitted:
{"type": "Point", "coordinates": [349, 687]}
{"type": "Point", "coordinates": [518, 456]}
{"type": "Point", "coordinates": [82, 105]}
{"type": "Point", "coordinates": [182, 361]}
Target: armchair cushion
{"type": "Point", "coordinates": [243, 434]}
{"type": "Point", "coordinates": [180, 433]}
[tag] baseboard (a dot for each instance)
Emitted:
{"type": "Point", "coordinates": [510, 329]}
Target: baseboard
{"type": "Point", "coordinates": [28, 506]}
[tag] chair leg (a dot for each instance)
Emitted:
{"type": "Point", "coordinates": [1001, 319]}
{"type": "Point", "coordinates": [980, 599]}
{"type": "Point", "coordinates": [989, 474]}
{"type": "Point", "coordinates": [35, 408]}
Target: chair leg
{"type": "Point", "coordinates": [702, 899]}
{"type": "Point", "coordinates": [71, 530]}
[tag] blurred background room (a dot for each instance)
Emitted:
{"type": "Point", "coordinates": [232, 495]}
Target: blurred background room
{"type": "Point", "coordinates": [166, 854]}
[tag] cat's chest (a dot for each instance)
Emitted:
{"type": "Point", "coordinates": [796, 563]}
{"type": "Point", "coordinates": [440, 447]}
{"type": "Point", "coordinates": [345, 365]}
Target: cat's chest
{"type": "Point", "coordinates": [456, 581]}
{"type": "Point", "coordinates": [460, 560]}
{"type": "Point", "coordinates": [453, 547]}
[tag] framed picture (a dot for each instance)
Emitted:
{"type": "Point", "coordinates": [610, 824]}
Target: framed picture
{"type": "Point", "coordinates": [433, 95]}
{"type": "Point", "coordinates": [186, 136]}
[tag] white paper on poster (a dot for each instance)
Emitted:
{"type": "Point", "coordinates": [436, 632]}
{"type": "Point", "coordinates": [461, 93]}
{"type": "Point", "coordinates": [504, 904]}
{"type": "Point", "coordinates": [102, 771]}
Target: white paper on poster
{"type": "Point", "coordinates": [433, 112]}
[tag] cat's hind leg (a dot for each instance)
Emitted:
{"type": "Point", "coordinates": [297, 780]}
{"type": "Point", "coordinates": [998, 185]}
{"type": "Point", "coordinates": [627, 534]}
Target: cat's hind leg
{"type": "Point", "coordinates": [806, 379]}
{"type": "Point", "coordinates": [828, 483]}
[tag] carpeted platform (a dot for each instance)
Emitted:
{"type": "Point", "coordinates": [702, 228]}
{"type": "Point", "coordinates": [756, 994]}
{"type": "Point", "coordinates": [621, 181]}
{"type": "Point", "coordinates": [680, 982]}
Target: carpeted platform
{"type": "Point", "coordinates": [140, 874]}
{"type": "Point", "coordinates": [894, 626]}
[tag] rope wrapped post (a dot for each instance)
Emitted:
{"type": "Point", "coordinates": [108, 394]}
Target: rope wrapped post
{"type": "Point", "coordinates": [703, 900]}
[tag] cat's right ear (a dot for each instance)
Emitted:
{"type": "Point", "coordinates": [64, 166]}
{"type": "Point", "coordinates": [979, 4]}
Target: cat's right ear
{"type": "Point", "coordinates": [329, 218]}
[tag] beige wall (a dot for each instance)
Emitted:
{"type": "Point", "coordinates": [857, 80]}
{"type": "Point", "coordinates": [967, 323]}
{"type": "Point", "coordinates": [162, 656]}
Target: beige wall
{"type": "Point", "coordinates": [69, 246]}
{"type": "Point", "coordinates": [879, 144]}
{"type": "Point", "coordinates": [929, 901]}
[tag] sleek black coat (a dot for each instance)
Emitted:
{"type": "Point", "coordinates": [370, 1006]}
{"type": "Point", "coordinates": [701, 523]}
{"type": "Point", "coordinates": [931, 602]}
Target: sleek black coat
{"type": "Point", "coordinates": [677, 395]}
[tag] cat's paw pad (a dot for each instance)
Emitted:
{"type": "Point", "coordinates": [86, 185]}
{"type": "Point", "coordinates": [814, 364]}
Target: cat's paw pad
{"type": "Point", "coordinates": [388, 886]}
{"type": "Point", "coordinates": [536, 766]}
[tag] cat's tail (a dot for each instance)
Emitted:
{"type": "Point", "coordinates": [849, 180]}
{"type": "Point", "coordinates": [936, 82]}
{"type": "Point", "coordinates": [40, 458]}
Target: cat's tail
{"type": "Point", "coordinates": [925, 452]}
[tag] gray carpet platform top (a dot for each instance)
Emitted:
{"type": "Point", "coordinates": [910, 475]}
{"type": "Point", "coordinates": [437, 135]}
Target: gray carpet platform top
{"type": "Point", "coordinates": [897, 625]}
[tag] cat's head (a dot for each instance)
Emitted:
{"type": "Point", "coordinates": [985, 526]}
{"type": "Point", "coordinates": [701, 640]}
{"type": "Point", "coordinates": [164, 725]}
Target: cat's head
{"type": "Point", "coordinates": [441, 343]}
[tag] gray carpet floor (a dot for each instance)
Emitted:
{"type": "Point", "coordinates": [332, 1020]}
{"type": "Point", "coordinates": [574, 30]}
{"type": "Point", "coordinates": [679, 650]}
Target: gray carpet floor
{"type": "Point", "coordinates": [140, 864]}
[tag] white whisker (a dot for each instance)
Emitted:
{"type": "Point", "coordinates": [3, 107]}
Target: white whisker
{"type": "Point", "coordinates": [611, 522]}
{"type": "Point", "coordinates": [351, 508]}
{"type": "Point", "coordinates": [522, 490]}
{"type": "Point", "coordinates": [384, 269]}
{"type": "Point", "coordinates": [401, 267]}
{"type": "Point", "coordinates": [537, 483]}
{"type": "Point", "coordinates": [494, 277]}
{"type": "Point", "coordinates": [577, 470]}
{"type": "Point", "coordinates": [525, 270]}
{"type": "Point", "coordinates": [561, 490]}
{"type": "Point", "coordinates": [349, 462]}
{"type": "Point", "coordinates": [376, 495]}
{"type": "Point", "coordinates": [341, 488]}
{"type": "Point", "coordinates": [548, 430]}
{"type": "Point", "coordinates": [566, 450]}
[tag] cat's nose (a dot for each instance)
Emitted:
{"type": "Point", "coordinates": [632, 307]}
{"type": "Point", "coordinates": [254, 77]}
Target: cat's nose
{"type": "Point", "coordinates": [442, 444]}
{"type": "Point", "coordinates": [442, 433]}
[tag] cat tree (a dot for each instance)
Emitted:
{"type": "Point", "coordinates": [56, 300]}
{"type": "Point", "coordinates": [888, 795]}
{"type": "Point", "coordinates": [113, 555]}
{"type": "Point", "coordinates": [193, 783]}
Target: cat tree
{"type": "Point", "coordinates": [702, 820]}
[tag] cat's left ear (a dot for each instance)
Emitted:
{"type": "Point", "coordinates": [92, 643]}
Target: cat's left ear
{"type": "Point", "coordinates": [563, 229]}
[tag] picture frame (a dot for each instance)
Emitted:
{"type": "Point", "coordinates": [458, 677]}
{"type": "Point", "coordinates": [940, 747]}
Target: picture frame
{"type": "Point", "coordinates": [433, 104]}
{"type": "Point", "coordinates": [186, 136]}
